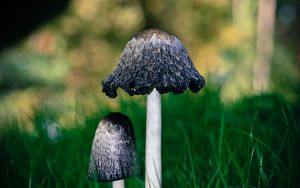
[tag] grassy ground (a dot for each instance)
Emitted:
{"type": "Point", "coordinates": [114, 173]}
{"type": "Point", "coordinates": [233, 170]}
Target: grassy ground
{"type": "Point", "coordinates": [251, 143]}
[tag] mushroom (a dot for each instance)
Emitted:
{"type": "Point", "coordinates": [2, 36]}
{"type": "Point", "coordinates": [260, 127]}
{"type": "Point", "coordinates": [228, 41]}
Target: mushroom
{"type": "Point", "coordinates": [113, 156]}
{"type": "Point", "coordinates": [153, 62]}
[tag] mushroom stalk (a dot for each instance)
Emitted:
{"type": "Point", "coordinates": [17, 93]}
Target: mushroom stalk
{"type": "Point", "coordinates": [153, 61]}
{"type": "Point", "coordinates": [153, 141]}
{"type": "Point", "coordinates": [118, 184]}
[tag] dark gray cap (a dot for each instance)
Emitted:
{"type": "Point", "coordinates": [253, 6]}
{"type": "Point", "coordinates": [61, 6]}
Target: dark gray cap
{"type": "Point", "coordinates": [153, 59]}
{"type": "Point", "coordinates": [113, 155]}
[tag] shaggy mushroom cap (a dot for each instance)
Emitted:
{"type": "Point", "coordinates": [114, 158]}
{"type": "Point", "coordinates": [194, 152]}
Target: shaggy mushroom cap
{"type": "Point", "coordinates": [113, 155]}
{"type": "Point", "coordinates": [153, 59]}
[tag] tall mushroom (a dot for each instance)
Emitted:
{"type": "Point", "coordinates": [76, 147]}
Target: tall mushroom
{"type": "Point", "coordinates": [153, 62]}
{"type": "Point", "coordinates": [113, 156]}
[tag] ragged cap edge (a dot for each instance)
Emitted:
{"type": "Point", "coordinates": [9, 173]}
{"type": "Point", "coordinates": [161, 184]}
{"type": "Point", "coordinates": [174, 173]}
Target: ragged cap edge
{"type": "Point", "coordinates": [153, 59]}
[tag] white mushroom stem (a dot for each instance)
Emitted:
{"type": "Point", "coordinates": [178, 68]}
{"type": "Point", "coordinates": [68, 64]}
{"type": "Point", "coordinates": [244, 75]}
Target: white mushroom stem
{"type": "Point", "coordinates": [153, 141]}
{"type": "Point", "coordinates": [118, 184]}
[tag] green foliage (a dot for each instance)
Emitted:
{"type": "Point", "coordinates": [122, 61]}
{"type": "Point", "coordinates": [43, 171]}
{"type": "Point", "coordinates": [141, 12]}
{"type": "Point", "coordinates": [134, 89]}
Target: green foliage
{"type": "Point", "coordinates": [205, 143]}
{"type": "Point", "coordinates": [251, 143]}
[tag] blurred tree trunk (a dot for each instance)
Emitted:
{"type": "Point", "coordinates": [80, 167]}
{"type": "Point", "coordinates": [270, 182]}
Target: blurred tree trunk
{"type": "Point", "coordinates": [239, 82]}
{"type": "Point", "coordinates": [264, 43]}
{"type": "Point", "coordinates": [150, 20]}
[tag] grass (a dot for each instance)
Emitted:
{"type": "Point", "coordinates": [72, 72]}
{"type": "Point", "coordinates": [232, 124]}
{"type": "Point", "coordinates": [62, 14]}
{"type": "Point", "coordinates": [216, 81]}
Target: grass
{"type": "Point", "coordinates": [251, 143]}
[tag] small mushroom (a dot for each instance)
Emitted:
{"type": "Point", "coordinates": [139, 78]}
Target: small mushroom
{"type": "Point", "coordinates": [153, 62]}
{"type": "Point", "coordinates": [113, 156]}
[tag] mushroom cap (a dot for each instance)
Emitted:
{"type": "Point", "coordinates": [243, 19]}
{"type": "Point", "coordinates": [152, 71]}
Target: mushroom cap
{"type": "Point", "coordinates": [113, 154]}
{"type": "Point", "coordinates": [153, 59]}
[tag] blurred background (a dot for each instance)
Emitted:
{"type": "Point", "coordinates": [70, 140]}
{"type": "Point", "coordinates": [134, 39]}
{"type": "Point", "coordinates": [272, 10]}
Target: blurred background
{"type": "Point", "coordinates": [54, 54]}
